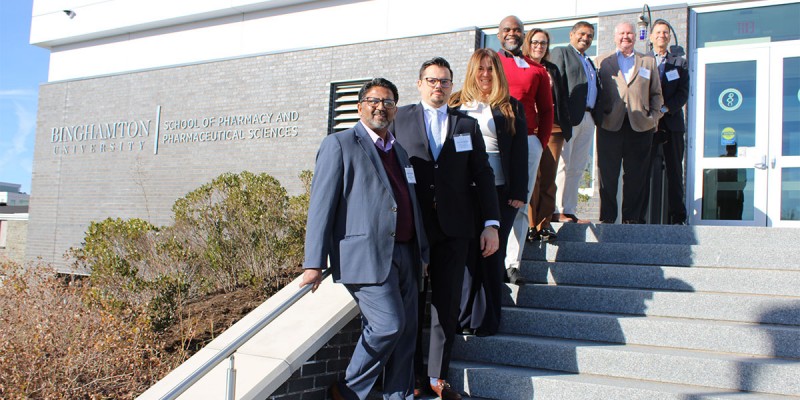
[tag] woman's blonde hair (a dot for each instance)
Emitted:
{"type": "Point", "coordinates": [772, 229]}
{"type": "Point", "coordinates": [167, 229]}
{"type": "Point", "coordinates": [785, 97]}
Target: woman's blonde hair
{"type": "Point", "coordinates": [497, 98]}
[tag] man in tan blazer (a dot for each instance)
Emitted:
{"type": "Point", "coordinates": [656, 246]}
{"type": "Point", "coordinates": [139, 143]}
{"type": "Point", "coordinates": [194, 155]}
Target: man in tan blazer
{"type": "Point", "coordinates": [628, 109]}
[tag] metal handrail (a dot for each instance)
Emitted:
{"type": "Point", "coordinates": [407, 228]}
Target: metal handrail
{"type": "Point", "coordinates": [228, 350]}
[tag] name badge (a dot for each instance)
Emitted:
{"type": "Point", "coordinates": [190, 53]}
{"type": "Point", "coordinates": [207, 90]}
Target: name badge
{"type": "Point", "coordinates": [644, 73]}
{"type": "Point", "coordinates": [463, 142]}
{"type": "Point", "coordinates": [521, 62]}
{"type": "Point", "coordinates": [672, 75]}
{"type": "Point", "coordinates": [410, 177]}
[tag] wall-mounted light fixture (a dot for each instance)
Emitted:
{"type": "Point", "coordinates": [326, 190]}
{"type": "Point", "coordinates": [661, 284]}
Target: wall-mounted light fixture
{"type": "Point", "coordinates": [643, 24]}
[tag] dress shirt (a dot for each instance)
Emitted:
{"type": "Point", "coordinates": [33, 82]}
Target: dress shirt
{"type": "Point", "coordinates": [660, 61]}
{"type": "Point", "coordinates": [483, 113]}
{"type": "Point", "coordinates": [429, 110]}
{"type": "Point", "coordinates": [626, 64]}
{"type": "Point", "coordinates": [591, 79]}
{"type": "Point", "coordinates": [382, 145]}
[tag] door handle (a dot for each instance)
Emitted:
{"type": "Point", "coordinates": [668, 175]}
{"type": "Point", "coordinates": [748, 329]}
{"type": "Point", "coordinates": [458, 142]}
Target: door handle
{"type": "Point", "coordinates": [762, 164]}
{"type": "Point", "coordinates": [773, 162]}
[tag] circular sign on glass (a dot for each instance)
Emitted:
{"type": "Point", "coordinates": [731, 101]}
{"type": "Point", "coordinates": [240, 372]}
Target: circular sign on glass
{"type": "Point", "coordinates": [730, 99]}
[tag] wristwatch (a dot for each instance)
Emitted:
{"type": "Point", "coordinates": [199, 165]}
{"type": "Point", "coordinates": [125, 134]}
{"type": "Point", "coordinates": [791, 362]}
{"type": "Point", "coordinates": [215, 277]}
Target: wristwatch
{"type": "Point", "coordinates": [495, 226]}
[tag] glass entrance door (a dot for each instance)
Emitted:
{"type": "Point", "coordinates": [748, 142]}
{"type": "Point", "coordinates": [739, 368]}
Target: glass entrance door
{"type": "Point", "coordinates": [746, 150]}
{"type": "Point", "coordinates": [783, 202]}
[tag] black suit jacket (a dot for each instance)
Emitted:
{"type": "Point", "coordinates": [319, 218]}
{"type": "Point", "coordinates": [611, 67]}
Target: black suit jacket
{"type": "Point", "coordinates": [573, 78]}
{"type": "Point", "coordinates": [676, 93]}
{"type": "Point", "coordinates": [560, 106]}
{"type": "Point", "coordinates": [513, 151]}
{"type": "Point", "coordinates": [445, 183]}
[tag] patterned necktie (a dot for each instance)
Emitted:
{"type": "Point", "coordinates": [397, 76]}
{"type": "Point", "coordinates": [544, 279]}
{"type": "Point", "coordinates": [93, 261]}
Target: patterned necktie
{"type": "Point", "coordinates": [435, 133]}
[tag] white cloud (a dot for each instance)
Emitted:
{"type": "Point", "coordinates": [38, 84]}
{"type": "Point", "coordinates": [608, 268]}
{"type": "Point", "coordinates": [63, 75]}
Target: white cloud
{"type": "Point", "coordinates": [16, 144]}
{"type": "Point", "coordinates": [18, 94]}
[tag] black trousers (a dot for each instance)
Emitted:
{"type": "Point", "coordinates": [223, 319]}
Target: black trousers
{"type": "Point", "coordinates": [630, 150]}
{"type": "Point", "coordinates": [672, 145]}
{"type": "Point", "coordinates": [448, 258]}
{"type": "Point", "coordinates": [481, 293]}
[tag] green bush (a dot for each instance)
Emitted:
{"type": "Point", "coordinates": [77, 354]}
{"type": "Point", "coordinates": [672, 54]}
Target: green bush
{"type": "Point", "coordinates": [239, 230]}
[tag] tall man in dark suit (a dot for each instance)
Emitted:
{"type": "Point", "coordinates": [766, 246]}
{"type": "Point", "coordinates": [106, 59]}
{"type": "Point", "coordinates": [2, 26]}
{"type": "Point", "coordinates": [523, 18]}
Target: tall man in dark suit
{"type": "Point", "coordinates": [579, 76]}
{"type": "Point", "coordinates": [363, 215]}
{"type": "Point", "coordinates": [448, 154]}
{"type": "Point", "coordinates": [629, 106]}
{"type": "Point", "coordinates": [674, 74]}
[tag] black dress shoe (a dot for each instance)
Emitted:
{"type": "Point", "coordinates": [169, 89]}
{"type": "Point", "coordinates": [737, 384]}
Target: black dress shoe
{"type": "Point", "coordinates": [514, 276]}
{"type": "Point", "coordinates": [548, 233]}
{"type": "Point", "coordinates": [421, 385]}
{"type": "Point", "coordinates": [468, 332]}
{"type": "Point", "coordinates": [533, 235]}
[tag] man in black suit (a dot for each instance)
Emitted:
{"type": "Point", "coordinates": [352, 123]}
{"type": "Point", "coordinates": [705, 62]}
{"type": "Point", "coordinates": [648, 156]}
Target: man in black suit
{"type": "Point", "coordinates": [448, 155]}
{"type": "Point", "coordinates": [674, 73]}
{"type": "Point", "coordinates": [579, 76]}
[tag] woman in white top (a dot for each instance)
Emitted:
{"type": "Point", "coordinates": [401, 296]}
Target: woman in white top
{"type": "Point", "coordinates": [502, 121]}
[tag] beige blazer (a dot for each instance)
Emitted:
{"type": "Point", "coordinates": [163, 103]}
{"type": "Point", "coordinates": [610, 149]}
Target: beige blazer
{"type": "Point", "coordinates": [640, 99]}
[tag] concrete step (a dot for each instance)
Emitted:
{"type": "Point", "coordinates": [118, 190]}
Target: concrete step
{"type": "Point", "coordinates": [709, 306]}
{"type": "Point", "coordinates": [723, 236]}
{"type": "Point", "coordinates": [516, 383]}
{"type": "Point", "coordinates": [657, 364]}
{"type": "Point", "coordinates": [752, 339]}
{"type": "Point", "coordinates": [697, 279]}
{"type": "Point", "coordinates": [763, 256]}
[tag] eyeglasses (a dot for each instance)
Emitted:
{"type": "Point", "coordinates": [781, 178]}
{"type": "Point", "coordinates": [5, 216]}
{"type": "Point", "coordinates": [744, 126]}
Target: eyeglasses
{"type": "Point", "coordinates": [374, 101]}
{"type": "Point", "coordinates": [446, 83]}
{"type": "Point", "coordinates": [535, 43]}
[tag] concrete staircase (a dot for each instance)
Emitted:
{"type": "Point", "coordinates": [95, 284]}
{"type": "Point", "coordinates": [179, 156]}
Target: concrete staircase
{"type": "Point", "coordinates": [646, 312]}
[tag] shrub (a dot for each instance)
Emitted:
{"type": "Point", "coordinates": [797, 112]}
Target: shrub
{"type": "Point", "coordinates": [59, 344]}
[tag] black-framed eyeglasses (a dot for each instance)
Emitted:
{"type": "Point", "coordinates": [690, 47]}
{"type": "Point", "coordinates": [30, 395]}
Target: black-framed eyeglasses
{"type": "Point", "coordinates": [535, 43]}
{"type": "Point", "coordinates": [374, 101]}
{"type": "Point", "coordinates": [446, 83]}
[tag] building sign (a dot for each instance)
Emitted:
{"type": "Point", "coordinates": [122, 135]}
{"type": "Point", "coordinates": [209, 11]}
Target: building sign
{"type": "Point", "coordinates": [135, 135]}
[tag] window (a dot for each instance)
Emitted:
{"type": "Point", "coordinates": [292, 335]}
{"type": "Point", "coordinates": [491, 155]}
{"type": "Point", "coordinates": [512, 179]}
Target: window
{"type": "Point", "coordinates": [748, 25]}
{"type": "Point", "coordinates": [344, 105]}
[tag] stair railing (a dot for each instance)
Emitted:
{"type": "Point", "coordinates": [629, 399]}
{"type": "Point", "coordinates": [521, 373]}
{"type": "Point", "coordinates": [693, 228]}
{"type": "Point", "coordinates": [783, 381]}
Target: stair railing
{"type": "Point", "coordinates": [228, 351]}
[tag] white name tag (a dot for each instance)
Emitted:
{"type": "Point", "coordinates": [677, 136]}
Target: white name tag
{"type": "Point", "coordinates": [521, 62]}
{"type": "Point", "coordinates": [410, 177]}
{"type": "Point", "coordinates": [644, 73]}
{"type": "Point", "coordinates": [463, 142]}
{"type": "Point", "coordinates": [672, 75]}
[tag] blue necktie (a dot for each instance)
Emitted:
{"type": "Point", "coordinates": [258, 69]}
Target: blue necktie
{"type": "Point", "coordinates": [435, 137]}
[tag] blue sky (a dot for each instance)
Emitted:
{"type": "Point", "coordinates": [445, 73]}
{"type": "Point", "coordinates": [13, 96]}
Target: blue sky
{"type": "Point", "coordinates": [22, 68]}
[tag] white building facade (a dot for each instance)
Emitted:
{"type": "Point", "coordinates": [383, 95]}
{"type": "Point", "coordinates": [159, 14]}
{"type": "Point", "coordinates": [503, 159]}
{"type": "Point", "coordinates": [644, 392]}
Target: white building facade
{"type": "Point", "coordinates": [147, 100]}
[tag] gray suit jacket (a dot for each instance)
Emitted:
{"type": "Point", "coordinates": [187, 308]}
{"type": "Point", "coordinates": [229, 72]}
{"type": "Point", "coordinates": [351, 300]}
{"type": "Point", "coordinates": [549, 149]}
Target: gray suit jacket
{"type": "Point", "coordinates": [640, 99]}
{"type": "Point", "coordinates": [351, 215]}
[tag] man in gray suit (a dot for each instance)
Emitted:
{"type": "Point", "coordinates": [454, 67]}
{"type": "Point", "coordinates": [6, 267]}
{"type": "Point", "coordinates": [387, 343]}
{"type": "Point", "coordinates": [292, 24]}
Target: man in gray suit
{"type": "Point", "coordinates": [363, 216]}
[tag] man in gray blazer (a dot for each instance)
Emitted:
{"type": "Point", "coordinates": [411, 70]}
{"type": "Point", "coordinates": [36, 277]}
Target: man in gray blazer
{"type": "Point", "coordinates": [629, 107]}
{"type": "Point", "coordinates": [363, 217]}
{"type": "Point", "coordinates": [579, 76]}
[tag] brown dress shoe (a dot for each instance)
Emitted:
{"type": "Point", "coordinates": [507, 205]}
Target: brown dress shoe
{"type": "Point", "coordinates": [444, 391]}
{"type": "Point", "coordinates": [334, 392]}
{"type": "Point", "coordinates": [569, 218]}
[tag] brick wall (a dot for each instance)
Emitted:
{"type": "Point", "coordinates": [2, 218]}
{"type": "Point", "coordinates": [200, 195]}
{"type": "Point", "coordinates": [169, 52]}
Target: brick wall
{"type": "Point", "coordinates": [327, 366]}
